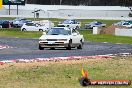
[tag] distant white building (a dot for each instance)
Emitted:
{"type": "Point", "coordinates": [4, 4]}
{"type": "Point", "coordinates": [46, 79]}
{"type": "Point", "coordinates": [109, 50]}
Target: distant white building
{"type": "Point", "coordinates": [63, 11]}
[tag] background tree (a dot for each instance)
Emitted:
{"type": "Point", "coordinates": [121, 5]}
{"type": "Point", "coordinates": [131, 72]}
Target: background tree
{"type": "Point", "coordinates": [127, 3]}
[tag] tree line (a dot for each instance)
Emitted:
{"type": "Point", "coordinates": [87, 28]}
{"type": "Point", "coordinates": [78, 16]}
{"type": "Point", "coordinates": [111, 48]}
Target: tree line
{"type": "Point", "coordinates": [83, 2]}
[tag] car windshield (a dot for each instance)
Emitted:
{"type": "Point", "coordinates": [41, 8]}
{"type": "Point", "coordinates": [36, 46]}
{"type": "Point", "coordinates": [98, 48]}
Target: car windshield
{"type": "Point", "coordinates": [59, 31]}
{"type": "Point", "coordinates": [66, 22]}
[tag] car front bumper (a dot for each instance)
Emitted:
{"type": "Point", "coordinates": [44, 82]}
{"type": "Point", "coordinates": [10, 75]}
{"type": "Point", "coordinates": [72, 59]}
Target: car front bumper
{"type": "Point", "coordinates": [55, 44]}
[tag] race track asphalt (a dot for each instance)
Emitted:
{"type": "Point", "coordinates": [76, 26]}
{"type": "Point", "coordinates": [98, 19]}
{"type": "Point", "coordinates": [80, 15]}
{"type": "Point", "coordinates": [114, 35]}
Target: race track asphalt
{"type": "Point", "coordinates": [20, 48]}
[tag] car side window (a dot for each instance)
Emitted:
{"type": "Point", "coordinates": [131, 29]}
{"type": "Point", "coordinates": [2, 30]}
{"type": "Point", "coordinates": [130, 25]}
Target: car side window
{"type": "Point", "coordinates": [30, 24]}
{"type": "Point", "coordinates": [126, 24]}
{"type": "Point", "coordinates": [75, 31]}
{"type": "Point", "coordinates": [99, 23]}
{"type": "Point", "coordinates": [96, 23]}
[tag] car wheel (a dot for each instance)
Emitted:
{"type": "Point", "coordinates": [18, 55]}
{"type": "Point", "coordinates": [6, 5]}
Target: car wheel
{"type": "Point", "coordinates": [40, 29]}
{"type": "Point", "coordinates": [23, 29]}
{"type": "Point", "coordinates": [81, 45]}
{"type": "Point", "coordinates": [41, 48]}
{"type": "Point", "coordinates": [69, 45]}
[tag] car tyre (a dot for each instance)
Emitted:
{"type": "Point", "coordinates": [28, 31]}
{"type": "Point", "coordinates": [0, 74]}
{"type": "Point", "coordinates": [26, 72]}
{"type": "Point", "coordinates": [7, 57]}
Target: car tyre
{"type": "Point", "coordinates": [69, 45]}
{"type": "Point", "coordinates": [40, 29]}
{"type": "Point", "coordinates": [80, 45]}
{"type": "Point", "coordinates": [41, 48]}
{"type": "Point", "coordinates": [23, 29]}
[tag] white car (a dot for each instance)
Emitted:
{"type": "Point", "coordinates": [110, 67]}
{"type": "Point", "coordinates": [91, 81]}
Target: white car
{"type": "Point", "coordinates": [47, 23]}
{"type": "Point", "coordinates": [33, 27]}
{"type": "Point", "coordinates": [61, 37]}
{"type": "Point", "coordinates": [127, 24]}
{"type": "Point", "coordinates": [94, 24]}
{"type": "Point", "coordinates": [70, 23]}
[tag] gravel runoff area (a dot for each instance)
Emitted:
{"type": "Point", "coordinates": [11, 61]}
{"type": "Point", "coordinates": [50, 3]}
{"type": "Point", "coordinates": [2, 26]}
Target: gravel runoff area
{"type": "Point", "coordinates": [19, 48]}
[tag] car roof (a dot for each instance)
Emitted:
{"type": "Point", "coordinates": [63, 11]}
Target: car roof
{"type": "Point", "coordinates": [60, 27]}
{"type": "Point", "coordinates": [63, 28]}
{"type": "Point", "coordinates": [70, 20]}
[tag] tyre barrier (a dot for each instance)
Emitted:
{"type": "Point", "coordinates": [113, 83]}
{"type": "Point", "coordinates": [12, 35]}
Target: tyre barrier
{"type": "Point", "coordinates": [56, 59]}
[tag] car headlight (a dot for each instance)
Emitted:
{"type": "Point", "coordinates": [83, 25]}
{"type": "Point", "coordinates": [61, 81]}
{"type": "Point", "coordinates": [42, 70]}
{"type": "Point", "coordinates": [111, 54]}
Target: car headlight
{"type": "Point", "coordinates": [42, 39]}
{"type": "Point", "coordinates": [61, 39]}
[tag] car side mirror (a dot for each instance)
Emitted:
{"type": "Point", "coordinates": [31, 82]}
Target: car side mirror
{"type": "Point", "coordinates": [36, 25]}
{"type": "Point", "coordinates": [74, 34]}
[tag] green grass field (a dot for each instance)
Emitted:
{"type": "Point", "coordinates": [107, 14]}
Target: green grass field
{"type": "Point", "coordinates": [18, 33]}
{"type": "Point", "coordinates": [105, 38]}
{"type": "Point", "coordinates": [65, 74]}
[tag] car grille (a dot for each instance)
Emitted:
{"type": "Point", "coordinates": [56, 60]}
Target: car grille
{"type": "Point", "coordinates": [53, 44]}
{"type": "Point", "coordinates": [51, 39]}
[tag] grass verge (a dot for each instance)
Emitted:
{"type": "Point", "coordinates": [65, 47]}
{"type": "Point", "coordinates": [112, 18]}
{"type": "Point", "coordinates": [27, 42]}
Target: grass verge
{"type": "Point", "coordinates": [88, 36]}
{"type": "Point", "coordinates": [64, 74]}
{"type": "Point", "coordinates": [17, 33]}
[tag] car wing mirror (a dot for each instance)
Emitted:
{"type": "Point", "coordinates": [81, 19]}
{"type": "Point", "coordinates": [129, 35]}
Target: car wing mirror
{"type": "Point", "coordinates": [74, 34]}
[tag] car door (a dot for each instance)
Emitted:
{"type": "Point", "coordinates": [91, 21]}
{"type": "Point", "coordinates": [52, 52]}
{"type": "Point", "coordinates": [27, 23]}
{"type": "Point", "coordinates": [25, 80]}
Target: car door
{"type": "Point", "coordinates": [31, 27]}
{"type": "Point", "coordinates": [36, 27]}
{"type": "Point", "coordinates": [75, 37]}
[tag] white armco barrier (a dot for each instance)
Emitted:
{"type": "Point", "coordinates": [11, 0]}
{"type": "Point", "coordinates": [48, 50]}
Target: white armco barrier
{"type": "Point", "coordinates": [123, 32]}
